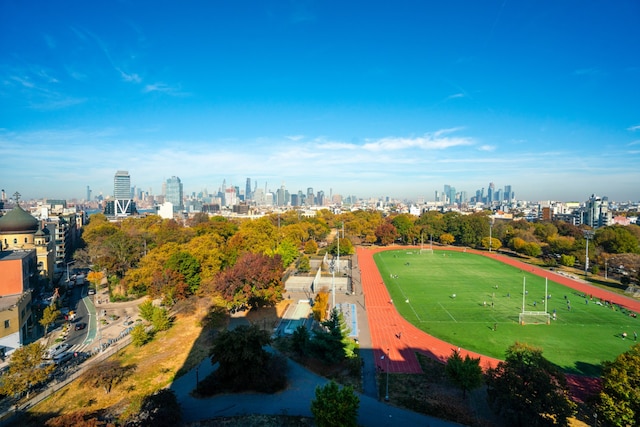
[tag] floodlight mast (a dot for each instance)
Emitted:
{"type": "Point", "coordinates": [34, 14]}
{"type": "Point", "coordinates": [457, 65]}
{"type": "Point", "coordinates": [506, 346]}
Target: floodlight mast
{"type": "Point", "coordinates": [588, 234]}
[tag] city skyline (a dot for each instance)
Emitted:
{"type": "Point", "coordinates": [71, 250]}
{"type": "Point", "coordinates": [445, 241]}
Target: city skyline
{"type": "Point", "coordinates": [367, 99]}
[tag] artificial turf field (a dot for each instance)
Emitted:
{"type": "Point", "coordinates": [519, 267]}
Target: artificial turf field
{"type": "Point", "coordinates": [423, 285]}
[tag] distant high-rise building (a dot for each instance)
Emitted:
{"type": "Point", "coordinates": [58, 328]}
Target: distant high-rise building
{"type": "Point", "coordinates": [596, 212]}
{"type": "Point", "coordinates": [122, 185]}
{"type": "Point", "coordinates": [174, 194]}
{"type": "Point", "coordinates": [491, 193]}
{"type": "Point", "coordinates": [320, 198]}
{"type": "Point", "coordinates": [310, 197]}
{"type": "Point", "coordinates": [122, 205]}
{"type": "Point", "coordinates": [247, 191]}
{"type": "Point", "coordinates": [88, 194]}
{"type": "Point", "coordinates": [508, 195]}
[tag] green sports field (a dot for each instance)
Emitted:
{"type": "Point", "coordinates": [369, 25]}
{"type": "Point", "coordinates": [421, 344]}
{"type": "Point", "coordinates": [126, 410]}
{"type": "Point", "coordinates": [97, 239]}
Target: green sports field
{"type": "Point", "coordinates": [489, 294]}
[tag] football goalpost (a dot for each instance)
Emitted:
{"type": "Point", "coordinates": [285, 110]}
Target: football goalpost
{"type": "Point", "coordinates": [528, 317]}
{"type": "Point", "coordinates": [422, 249]}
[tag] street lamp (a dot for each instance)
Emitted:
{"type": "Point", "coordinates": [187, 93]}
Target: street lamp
{"type": "Point", "coordinates": [70, 262]}
{"type": "Point", "coordinates": [490, 232]}
{"type": "Point", "coordinates": [386, 396]}
{"type": "Point", "coordinates": [588, 234]}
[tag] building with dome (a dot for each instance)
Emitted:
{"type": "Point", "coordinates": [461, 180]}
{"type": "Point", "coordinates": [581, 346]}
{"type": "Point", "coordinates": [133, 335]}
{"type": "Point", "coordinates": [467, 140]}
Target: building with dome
{"type": "Point", "coordinates": [26, 260]}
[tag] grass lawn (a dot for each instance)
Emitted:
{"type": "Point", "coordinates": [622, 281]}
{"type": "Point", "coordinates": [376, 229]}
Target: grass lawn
{"type": "Point", "coordinates": [488, 293]}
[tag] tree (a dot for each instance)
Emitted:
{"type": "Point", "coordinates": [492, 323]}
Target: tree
{"type": "Point", "coordinates": [188, 266]}
{"type": "Point", "coordinates": [328, 343]}
{"type": "Point", "coordinates": [288, 252]}
{"type": "Point", "coordinates": [567, 260]}
{"type": "Point", "coordinates": [25, 370]}
{"type": "Point", "coordinates": [255, 280]}
{"type": "Point", "coordinates": [300, 340]}
{"type": "Point", "coordinates": [465, 373]}
{"type": "Point", "coordinates": [447, 238]}
{"type": "Point", "coordinates": [320, 305]}
{"type": "Point", "coordinates": [146, 310]}
{"type": "Point", "coordinates": [386, 233]}
{"type": "Point", "coordinates": [335, 406]}
{"type": "Point", "coordinates": [311, 247]}
{"type": "Point", "coordinates": [106, 374]}
{"type": "Point", "coordinates": [527, 390]}
{"type": "Point", "coordinates": [140, 336]}
{"type": "Point", "coordinates": [304, 265]}
{"type": "Point", "coordinates": [160, 319]}
{"type": "Point", "coordinates": [495, 243]}
{"type": "Point", "coordinates": [619, 399]}
{"type": "Point", "coordinates": [49, 316]}
{"type": "Point", "coordinates": [244, 362]}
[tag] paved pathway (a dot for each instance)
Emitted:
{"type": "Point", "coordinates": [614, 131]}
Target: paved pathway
{"type": "Point", "coordinates": [295, 400]}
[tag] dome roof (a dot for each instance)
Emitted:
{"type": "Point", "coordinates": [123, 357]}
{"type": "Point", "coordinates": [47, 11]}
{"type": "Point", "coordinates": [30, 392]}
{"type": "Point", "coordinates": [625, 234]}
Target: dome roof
{"type": "Point", "coordinates": [18, 221]}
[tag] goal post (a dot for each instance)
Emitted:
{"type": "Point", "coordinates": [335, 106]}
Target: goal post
{"type": "Point", "coordinates": [527, 317]}
{"type": "Point", "coordinates": [534, 318]}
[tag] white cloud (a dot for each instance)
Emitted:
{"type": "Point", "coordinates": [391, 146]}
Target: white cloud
{"type": "Point", "coordinates": [129, 77]}
{"type": "Point", "coordinates": [163, 88]}
{"type": "Point", "coordinates": [487, 148]}
{"type": "Point", "coordinates": [634, 128]}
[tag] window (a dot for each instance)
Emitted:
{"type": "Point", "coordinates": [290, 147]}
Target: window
{"type": "Point", "coordinates": [15, 241]}
{"type": "Point", "coordinates": [25, 240]}
{"type": "Point", "coordinates": [7, 324]}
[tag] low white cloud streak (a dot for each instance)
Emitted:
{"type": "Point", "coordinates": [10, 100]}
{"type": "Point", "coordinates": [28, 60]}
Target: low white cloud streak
{"type": "Point", "coordinates": [399, 166]}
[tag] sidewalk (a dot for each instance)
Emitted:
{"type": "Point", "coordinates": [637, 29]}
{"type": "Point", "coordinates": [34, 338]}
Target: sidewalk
{"type": "Point", "coordinates": [295, 400]}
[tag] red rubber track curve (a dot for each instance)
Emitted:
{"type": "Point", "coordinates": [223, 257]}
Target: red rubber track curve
{"type": "Point", "coordinates": [392, 334]}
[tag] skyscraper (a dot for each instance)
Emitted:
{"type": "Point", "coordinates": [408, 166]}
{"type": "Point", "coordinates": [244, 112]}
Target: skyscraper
{"type": "Point", "coordinates": [122, 185]}
{"type": "Point", "coordinates": [174, 193]}
{"type": "Point", "coordinates": [247, 191]}
{"type": "Point", "coordinates": [122, 204]}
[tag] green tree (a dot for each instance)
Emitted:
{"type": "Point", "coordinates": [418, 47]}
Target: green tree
{"type": "Point", "coordinates": [146, 310]}
{"type": "Point", "coordinates": [567, 260]}
{"type": "Point", "coordinates": [160, 319]}
{"type": "Point", "coordinates": [140, 336]}
{"type": "Point", "coordinates": [465, 373]}
{"type": "Point", "coordinates": [527, 390]}
{"type": "Point", "coordinates": [244, 362]}
{"type": "Point", "coordinates": [619, 399]}
{"type": "Point", "coordinates": [288, 252]}
{"type": "Point", "coordinates": [300, 340]}
{"type": "Point", "coordinates": [304, 265]}
{"type": "Point", "coordinates": [334, 406]}
{"type": "Point", "coordinates": [49, 316]}
{"type": "Point", "coordinates": [25, 370]}
{"type": "Point", "coordinates": [188, 266]}
{"type": "Point", "coordinates": [328, 343]}
{"type": "Point", "coordinates": [617, 239]}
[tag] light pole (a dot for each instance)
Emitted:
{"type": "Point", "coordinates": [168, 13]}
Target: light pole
{"type": "Point", "coordinates": [588, 234]}
{"type": "Point", "coordinates": [70, 262]}
{"type": "Point", "coordinates": [386, 396]}
{"type": "Point", "coordinates": [490, 232]}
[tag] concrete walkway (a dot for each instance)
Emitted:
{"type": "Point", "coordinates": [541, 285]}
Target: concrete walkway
{"type": "Point", "coordinates": [295, 400]}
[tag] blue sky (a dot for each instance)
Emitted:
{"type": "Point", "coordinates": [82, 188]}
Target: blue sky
{"type": "Point", "coordinates": [368, 98]}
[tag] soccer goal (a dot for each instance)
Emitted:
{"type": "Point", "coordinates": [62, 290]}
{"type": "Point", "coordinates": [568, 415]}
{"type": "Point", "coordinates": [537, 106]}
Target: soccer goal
{"type": "Point", "coordinates": [528, 317]}
{"type": "Point", "coordinates": [534, 318]}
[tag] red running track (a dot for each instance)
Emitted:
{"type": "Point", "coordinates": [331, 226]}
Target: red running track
{"type": "Point", "coordinates": [392, 334]}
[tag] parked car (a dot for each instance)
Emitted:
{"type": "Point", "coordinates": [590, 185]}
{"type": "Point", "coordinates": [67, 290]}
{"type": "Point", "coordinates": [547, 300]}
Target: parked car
{"type": "Point", "coordinates": [52, 352]}
{"type": "Point", "coordinates": [91, 291]}
{"type": "Point", "coordinates": [80, 326]}
{"type": "Point", "coordinates": [62, 357]}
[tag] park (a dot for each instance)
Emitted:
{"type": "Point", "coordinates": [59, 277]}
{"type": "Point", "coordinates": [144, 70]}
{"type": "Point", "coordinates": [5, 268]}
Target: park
{"type": "Point", "coordinates": [474, 302]}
